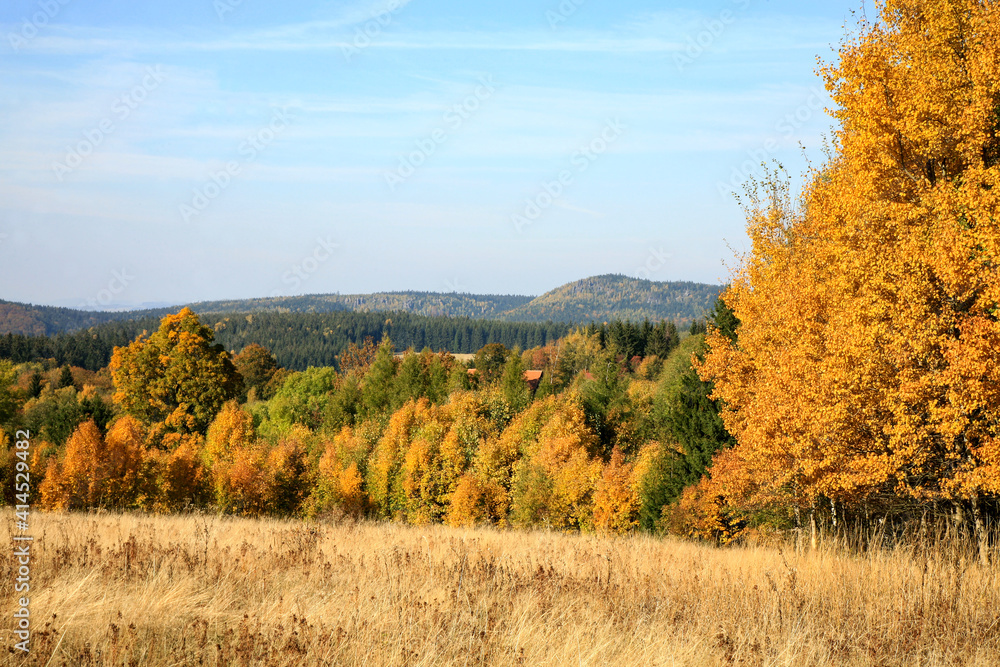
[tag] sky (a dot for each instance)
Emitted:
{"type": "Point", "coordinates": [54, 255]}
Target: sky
{"type": "Point", "coordinates": [164, 153]}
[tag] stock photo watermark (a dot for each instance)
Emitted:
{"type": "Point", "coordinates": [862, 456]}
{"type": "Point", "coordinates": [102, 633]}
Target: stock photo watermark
{"type": "Point", "coordinates": [785, 129]}
{"type": "Point", "coordinates": [21, 550]}
{"type": "Point", "coordinates": [30, 26]}
{"type": "Point", "coordinates": [713, 29]}
{"type": "Point", "coordinates": [656, 260]}
{"type": "Point", "coordinates": [120, 280]}
{"type": "Point", "coordinates": [455, 286]}
{"type": "Point", "coordinates": [121, 109]}
{"type": "Point", "coordinates": [218, 181]}
{"type": "Point", "coordinates": [563, 12]}
{"type": "Point", "coordinates": [223, 7]}
{"type": "Point", "coordinates": [301, 270]}
{"type": "Point", "coordinates": [453, 119]}
{"type": "Point", "coordinates": [365, 35]}
{"type": "Point", "coordinates": [551, 191]}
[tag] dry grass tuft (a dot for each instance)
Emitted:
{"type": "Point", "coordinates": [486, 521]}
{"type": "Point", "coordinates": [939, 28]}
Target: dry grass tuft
{"type": "Point", "coordinates": [190, 590]}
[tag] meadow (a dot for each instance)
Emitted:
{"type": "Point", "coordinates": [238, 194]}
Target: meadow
{"type": "Point", "coordinates": [203, 589]}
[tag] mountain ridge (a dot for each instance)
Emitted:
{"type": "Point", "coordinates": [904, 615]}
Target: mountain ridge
{"type": "Point", "coordinates": [597, 298]}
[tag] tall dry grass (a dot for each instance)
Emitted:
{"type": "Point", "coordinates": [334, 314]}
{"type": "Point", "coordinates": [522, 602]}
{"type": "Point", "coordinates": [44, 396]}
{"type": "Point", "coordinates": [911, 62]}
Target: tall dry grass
{"type": "Point", "coordinates": [202, 590]}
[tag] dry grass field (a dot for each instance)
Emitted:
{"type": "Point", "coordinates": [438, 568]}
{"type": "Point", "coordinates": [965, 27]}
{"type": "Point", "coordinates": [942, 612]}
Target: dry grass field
{"type": "Point", "coordinates": [202, 590]}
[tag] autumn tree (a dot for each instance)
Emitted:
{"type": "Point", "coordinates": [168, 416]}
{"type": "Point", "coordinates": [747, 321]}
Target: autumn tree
{"type": "Point", "coordinates": [180, 473]}
{"type": "Point", "coordinates": [177, 375]}
{"type": "Point", "coordinates": [123, 464]}
{"type": "Point", "coordinates": [357, 358]}
{"type": "Point", "coordinates": [231, 430]}
{"type": "Point", "coordinates": [340, 483]}
{"type": "Point", "coordinates": [867, 361]}
{"type": "Point", "coordinates": [554, 482]}
{"type": "Point", "coordinates": [495, 459]}
{"type": "Point", "coordinates": [77, 481]}
{"type": "Point", "coordinates": [616, 497]}
{"type": "Point", "coordinates": [257, 366]}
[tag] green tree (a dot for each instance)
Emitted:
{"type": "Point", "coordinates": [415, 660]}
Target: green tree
{"type": "Point", "coordinates": [437, 378]}
{"type": "Point", "coordinates": [663, 339]}
{"type": "Point", "coordinates": [458, 378]}
{"type": "Point", "coordinates": [515, 389]}
{"type": "Point", "coordinates": [607, 405]}
{"type": "Point", "coordinates": [489, 363]}
{"type": "Point", "coordinates": [36, 386]}
{"type": "Point", "coordinates": [693, 422]}
{"type": "Point", "coordinates": [8, 400]}
{"type": "Point", "coordinates": [304, 397]}
{"type": "Point", "coordinates": [178, 375]}
{"type": "Point", "coordinates": [65, 378]}
{"type": "Point", "coordinates": [410, 382]}
{"type": "Point", "coordinates": [257, 366]}
{"type": "Point", "coordinates": [343, 404]}
{"type": "Point", "coordinates": [378, 389]}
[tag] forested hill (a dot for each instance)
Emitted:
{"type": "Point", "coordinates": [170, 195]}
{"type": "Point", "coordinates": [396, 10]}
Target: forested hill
{"type": "Point", "coordinates": [431, 304]}
{"type": "Point", "coordinates": [616, 297]}
{"type": "Point", "coordinates": [598, 299]}
{"type": "Point", "coordinates": [31, 320]}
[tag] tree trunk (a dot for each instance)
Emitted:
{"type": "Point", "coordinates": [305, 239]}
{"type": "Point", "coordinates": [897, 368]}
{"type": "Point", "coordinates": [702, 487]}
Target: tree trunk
{"type": "Point", "coordinates": [812, 528]}
{"type": "Point", "coordinates": [798, 529]}
{"type": "Point", "coordinates": [984, 554]}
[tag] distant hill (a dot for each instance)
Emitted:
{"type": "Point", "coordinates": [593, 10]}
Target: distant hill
{"type": "Point", "coordinates": [431, 304]}
{"type": "Point", "coordinates": [31, 320]}
{"type": "Point", "coordinates": [597, 299]}
{"type": "Point", "coordinates": [611, 297]}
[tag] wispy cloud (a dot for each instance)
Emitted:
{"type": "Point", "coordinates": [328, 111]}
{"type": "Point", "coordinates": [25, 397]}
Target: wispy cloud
{"type": "Point", "coordinates": [659, 32]}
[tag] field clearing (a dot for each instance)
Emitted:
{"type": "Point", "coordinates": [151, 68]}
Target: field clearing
{"type": "Point", "coordinates": [113, 589]}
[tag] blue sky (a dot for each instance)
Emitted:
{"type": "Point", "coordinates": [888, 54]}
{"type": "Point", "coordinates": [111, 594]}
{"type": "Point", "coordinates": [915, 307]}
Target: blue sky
{"type": "Point", "coordinates": [204, 149]}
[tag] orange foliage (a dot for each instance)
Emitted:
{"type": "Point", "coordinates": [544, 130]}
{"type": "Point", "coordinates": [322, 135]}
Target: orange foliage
{"type": "Point", "coordinates": [231, 429]}
{"type": "Point", "coordinates": [555, 481]}
{"type": "Point", "coordinates": [179, 473]}
{"type": "Point", "coordinates": [339, 482]}
{"type": "Point", "coordinates": [616, 498]}
{"type": "Point", "coordinates": [496, 457]}
{"type": "Point", "coordinates": [867, 360]}
{"type": "Point", "coordinates": [78, 480]}
{"type": "Point", "coordinates": [466, 503]}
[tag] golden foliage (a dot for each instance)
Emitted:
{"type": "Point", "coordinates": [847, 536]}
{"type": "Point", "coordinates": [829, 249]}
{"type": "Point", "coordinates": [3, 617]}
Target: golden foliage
{"type": "Point", "coordinates": [180, 476]}
{"type": "Point", "coordinates": [124, 460]}
{"type": "Point", "coordinates": [232, 429]}
{"type": "Point", "coordinates": [616, 498]}
{"type": "Point", "coordinates": [495, 459]}
{"type": "Point", "coordinates": [78, 480]}
{"type": "Point", "coordinates": [867, 360]}
{"type": "Point", "coordinates": [465, 508]}
{"type": "Point", "coordinates": [339, 481]}
{"type": "Point", "coordinates": [176, 376]}
{"type": "Point", "coordinates": [555, 480]}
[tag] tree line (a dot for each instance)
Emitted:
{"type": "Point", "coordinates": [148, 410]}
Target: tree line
{"type": "Point", "coordinates": [177, 420]}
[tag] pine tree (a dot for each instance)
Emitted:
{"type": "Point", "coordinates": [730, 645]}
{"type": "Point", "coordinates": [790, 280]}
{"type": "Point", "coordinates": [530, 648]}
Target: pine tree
{"type": "Point", "coordinates": [65, 378]}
